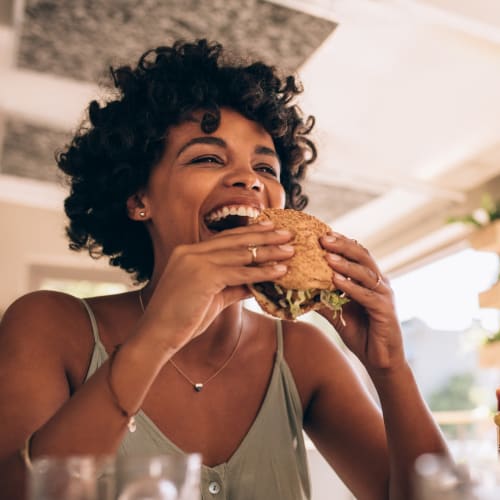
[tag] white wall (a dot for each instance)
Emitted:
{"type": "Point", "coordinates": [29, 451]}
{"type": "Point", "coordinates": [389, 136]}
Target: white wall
{"type": "Point", "coordinates": [34, 236]}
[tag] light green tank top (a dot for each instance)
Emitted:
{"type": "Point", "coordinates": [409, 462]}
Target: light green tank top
{"type": "Point", "coordinates": [269, 464]}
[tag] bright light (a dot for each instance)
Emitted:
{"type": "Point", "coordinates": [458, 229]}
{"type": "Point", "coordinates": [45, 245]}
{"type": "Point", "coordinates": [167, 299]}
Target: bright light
{"type": "Point", "coordinates": [444, 294]}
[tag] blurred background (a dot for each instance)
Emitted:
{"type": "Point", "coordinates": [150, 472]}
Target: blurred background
{"type": "Point", "coordinates": [406, 95]}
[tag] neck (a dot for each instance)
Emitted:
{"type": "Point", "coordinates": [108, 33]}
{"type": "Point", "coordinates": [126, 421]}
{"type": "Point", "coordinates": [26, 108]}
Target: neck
{"type": "Point", "coordinates": [216, 342]}
{"type": "Point", "coordinates": [218, 339]}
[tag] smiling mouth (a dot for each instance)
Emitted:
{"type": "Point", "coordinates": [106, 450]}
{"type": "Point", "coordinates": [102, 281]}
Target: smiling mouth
{"type": "Point", "coordinates": [230, 217]}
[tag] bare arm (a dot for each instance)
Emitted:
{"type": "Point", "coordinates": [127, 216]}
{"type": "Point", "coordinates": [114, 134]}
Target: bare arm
{"type": "Point", "coordinates": [371, 449]}
{"type": "Point", "coordinates": [410, 427]}
{"type": "Point", "coordinates": [372, 332]}
{"type": "Point", "coordinates": [198, 283]}
{"type": "Point", "coordinates": [35, 392]}
{"type": "Point", "coordinates": [340, 416]}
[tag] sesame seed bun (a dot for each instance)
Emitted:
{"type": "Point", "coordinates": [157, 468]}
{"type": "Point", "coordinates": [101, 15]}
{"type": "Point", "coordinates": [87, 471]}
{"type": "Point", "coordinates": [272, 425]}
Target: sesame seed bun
{"type": "Point", "coordinates": [307, 268]}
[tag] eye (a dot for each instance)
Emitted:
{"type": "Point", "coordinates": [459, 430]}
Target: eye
{"type": "Point", "coordinates": [267, 169]}
{"type": "Point", "coordinates": [207, 159]}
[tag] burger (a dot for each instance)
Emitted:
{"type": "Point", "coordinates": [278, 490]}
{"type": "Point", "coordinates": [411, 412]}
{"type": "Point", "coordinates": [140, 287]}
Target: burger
{"type": "Point", "coordinates": [307, 284]}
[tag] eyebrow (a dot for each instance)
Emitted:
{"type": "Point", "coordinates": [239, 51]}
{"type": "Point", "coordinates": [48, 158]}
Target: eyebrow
{"type": "Point", "coordinates": [264, 150]}
{"type": "Point", "coordinates": [203, 140]}
{"type": "Point", "coordinates": [222, 143]}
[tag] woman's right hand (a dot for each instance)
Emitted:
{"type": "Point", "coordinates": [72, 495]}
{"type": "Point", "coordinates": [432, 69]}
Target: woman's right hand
{"type": "Point", "coordinates": [201, 279]}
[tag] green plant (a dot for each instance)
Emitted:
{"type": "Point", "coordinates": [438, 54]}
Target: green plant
{"type": "Point", "coordinates": [482, 216]}
{"type": "Point", "coordinates": [454, 395]}
{"type": "Point", "coordinates": [493, 338]}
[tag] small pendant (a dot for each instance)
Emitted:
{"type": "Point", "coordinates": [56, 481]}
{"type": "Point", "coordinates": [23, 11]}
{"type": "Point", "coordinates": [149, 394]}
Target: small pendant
{"type": "Point", "coordinates": [132, 426]}
{"type": "Point", "coordinates": [198, 387]}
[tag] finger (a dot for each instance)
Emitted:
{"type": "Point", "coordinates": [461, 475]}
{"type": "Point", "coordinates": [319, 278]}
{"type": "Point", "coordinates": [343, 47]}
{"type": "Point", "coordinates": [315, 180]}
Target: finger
{"type": "Point", "coordinates": [371, 299]}
{"type": "Point", "coordinates": [244, 275]}
{"type": "Point", "coordinates": [353, 270]}
{"type": "Point", "coordinates": [251, 255]}
{"type": "Point", "coordinates": [263, 236]}
{"type": "Point", "coordinates": [233, 294]}
{"type": "Point", "coordinates": [349, 248]}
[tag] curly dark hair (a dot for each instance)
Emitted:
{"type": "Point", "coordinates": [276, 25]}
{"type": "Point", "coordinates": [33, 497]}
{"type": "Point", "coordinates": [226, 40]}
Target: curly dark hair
{"type": "Point", "coordinates": [111, 156]}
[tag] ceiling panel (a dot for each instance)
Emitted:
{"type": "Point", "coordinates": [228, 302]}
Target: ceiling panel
{"type": "Point", "coordinates": [82, 38]}
{"type": "Point", "coordinates": [29, 151]}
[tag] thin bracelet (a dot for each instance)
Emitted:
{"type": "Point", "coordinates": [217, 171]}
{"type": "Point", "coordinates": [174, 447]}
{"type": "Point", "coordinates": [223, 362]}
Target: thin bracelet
{"type": "Point", "coordinates": [25, 453]}
{"type": "Point", "coordinates": [132, 426]}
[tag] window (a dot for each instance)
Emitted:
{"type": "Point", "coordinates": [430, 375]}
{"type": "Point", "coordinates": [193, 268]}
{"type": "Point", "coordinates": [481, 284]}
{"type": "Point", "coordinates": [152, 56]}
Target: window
{"type": "Point", "coordinates": [78, 281]}
{"type": "Point", "coordinates": [444, 331]}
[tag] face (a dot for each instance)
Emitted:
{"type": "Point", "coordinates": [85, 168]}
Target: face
{"type": "Point", "coordinates": [206, 183]}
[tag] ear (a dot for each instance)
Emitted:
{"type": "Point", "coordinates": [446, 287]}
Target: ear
{"type": "Point", "coordinates": [137, 207]}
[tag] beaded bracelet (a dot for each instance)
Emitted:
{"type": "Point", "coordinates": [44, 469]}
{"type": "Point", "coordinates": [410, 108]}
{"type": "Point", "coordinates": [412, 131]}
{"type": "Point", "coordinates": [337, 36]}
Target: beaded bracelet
{"type": "Point", "coordinates": [25, 451]}
{"type": "Point", "coordinates": [132, 426]}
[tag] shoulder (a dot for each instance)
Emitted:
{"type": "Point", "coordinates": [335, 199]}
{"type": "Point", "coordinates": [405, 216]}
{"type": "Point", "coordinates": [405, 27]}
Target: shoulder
{"type": "Point", "coordinates": [45, 323]}
{"type": "Point", "coordinates": [306, 344]}
{"type": "Point", "coordinates": [43, 298]}
{"type": "Point", "coordinates": [42, 310]}
{"type": "Point", "coordinates": [314, 357]}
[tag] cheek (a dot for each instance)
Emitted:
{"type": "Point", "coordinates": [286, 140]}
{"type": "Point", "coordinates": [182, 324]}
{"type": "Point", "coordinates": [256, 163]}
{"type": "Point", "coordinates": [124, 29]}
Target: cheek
{"type": "Point", "coordinates": [193, 189]}
{"type": "Point", "coordinates": [277, 196]}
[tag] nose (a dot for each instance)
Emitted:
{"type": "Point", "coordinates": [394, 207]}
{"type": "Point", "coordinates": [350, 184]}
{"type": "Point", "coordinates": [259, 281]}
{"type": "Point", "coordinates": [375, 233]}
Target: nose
{"type": "Point", "coordinates": [244, 177]}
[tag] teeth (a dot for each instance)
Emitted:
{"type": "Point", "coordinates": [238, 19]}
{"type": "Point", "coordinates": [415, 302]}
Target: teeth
{"type": "Point", "coordinates": [241, 210]}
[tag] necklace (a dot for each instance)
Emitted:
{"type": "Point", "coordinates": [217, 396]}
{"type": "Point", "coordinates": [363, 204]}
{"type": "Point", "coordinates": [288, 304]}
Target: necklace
{"type": "Point", "coordinates": [198, 386]}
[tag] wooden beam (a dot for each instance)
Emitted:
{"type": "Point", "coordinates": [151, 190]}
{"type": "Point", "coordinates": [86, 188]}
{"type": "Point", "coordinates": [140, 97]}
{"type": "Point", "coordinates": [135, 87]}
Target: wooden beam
{"type": "Point", "coordinates": [45, 99]}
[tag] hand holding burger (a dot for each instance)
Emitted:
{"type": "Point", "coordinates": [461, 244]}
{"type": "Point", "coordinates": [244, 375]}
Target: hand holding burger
{"type": "Point", "coordinates": [308, 284]}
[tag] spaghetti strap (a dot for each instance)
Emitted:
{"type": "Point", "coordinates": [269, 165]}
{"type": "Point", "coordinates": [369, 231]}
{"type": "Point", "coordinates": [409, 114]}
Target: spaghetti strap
{"type": "Point", "coordinates": [279, 340]}
{"type": "Point", "coordinates": [93, 322]}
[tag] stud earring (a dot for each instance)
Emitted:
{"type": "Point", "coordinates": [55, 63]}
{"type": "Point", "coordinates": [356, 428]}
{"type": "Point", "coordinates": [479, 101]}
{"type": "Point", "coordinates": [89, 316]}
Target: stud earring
{"type": "Point", "coordinates": [142, 213]}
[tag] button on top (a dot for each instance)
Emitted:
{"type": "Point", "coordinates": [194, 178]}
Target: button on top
{"type": "Point", "coordinates": [214, 488]}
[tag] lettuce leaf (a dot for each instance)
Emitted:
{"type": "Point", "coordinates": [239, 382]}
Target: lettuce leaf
{"type": "Point", "coordinates": [293, 300]}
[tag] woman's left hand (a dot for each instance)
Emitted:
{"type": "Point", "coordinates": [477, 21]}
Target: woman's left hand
{"type": "Point", "coordinates": [370, 327]}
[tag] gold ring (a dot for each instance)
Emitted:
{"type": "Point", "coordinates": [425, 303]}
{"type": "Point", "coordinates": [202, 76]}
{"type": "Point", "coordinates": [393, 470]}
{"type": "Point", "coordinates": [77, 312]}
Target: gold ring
{"type": "Point", "coordinates": [379, 280]}
{"type": "Point", "coordinates": [253, 250]}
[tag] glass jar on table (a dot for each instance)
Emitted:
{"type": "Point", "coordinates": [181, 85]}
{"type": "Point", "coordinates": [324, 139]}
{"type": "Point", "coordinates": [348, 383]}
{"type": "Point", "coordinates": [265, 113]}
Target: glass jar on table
{"type": "Point", "coordinates": [161, 477]}
{"type": "Point", "coordinates": [69, 478]}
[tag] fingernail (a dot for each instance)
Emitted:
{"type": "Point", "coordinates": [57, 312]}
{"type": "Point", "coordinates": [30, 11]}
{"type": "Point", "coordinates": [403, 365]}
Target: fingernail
{"type": "Point", "coordinates": [266, 222]}
{"type": "Point", "coordinates": [329, 238]}
{"type": "Point", "coordinates": [286, 248]}
{"type": "Point", "coordinates": [334, 256]}
{"type": "Point", "coordinates": [283, 231]}
{"type": "Point", "coordinates": [340, 277]}
{"type": "Point", "coordinates": [280, 267]}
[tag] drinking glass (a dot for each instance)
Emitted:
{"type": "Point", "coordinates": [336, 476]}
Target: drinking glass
{"type": "Point", "coordinates": [437, 478]}
{"type": "Point", "coordinates": [69, 478]}
{"type": "Point", "coordinates": [161, 477]}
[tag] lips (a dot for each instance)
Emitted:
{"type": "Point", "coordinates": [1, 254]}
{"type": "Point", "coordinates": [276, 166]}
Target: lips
{"type": "Point", "coordinates": [230, 216]}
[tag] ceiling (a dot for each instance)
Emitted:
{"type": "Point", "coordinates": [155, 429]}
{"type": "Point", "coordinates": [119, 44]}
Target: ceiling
{"type": "Point", "coordinates": [406, 96]}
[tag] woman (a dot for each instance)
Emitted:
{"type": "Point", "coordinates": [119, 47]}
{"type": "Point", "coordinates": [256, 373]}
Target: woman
{"type": "Point", "coordinates": [189, 133]}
